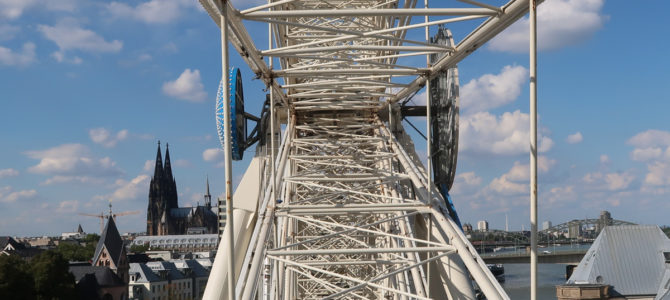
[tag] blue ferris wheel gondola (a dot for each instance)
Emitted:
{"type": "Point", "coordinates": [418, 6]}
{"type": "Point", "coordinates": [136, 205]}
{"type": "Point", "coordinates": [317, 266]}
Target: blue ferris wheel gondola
{"type": "Point", "coordinates": [238, 124]}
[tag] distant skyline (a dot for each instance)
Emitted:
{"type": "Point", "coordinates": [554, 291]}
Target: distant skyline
{"type": "Point", "coordinates": [89, 87]}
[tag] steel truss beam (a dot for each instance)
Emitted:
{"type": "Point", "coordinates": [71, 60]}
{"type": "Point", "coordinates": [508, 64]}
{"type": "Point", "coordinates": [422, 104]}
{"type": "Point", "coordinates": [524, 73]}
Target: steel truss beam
{"type": "Point", "coordinates": [352, 214]}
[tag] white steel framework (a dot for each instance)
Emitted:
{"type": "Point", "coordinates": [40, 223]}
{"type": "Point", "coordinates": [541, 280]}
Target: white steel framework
{"type": "Point", "coordinates": [345, 209]}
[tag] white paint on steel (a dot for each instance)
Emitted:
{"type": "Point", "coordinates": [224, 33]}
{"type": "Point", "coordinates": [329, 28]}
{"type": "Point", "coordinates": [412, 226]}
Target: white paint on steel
{"type": "Point", "coordinates": [342, 188]}
{"type": "Point", "coordinates": [533, 148]}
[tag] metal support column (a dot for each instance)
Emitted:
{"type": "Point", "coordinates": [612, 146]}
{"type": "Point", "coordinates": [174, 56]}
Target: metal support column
{"type": "Point", "coordinates": [533, 149]}
{"type": "Point", "coordinates": [429, 147]}
{"type": "Point", "coordinates": [228, 155]}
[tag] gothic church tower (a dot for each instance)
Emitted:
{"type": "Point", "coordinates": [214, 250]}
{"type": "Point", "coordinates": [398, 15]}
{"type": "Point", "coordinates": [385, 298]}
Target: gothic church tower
{"type": "Point", "coordinates": [162, 196]}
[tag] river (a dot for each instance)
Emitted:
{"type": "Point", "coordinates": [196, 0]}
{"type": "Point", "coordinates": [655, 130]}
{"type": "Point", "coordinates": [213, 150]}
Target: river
{"type": "Point", "coordinates": [517, 276]}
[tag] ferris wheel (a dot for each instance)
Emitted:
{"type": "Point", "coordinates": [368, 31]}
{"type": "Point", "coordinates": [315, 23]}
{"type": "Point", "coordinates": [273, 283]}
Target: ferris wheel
{"type": "Point", "coordinates": [338, 204]}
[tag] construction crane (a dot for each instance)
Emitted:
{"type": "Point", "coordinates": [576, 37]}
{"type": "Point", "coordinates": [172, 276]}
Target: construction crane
{"type": "Point", "coordinates": [102, 216]}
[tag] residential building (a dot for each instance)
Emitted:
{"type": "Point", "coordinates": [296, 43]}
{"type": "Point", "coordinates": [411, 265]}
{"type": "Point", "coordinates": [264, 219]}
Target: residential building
{"type": "Point", "coordinates": [179, 286]}
{"type": "Point", "coordinates": [98, 282]}
{"type": "Point", "coordinates": [175, 279]}
{"type": "Point", "coordinates": [111, 252]}
{"type": "Point", "coordinates": [483, 225]}
{"type": "Point", "coordinates": [79, 234]}
{"type": "Point", "coordinates": [198, 274]}
{"type": "Point", "coordinates": [144, 284]}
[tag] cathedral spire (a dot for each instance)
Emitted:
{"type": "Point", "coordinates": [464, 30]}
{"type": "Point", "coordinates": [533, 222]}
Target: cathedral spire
{"type": "Point", "coordinates": [208, 197]}
{"type": "Point", "coordinates": [168, 166]}
{"type": "Point", "coordinates": [158, 170]}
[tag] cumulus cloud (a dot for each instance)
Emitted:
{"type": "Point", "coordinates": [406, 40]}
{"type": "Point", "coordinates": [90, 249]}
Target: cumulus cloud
{"type": "Point", "coordinates": [658, 175]}
{"type": "Point", "coordinates": [133, 189]}
{"type": "Point", "coordinates": [214, 155]}
{"type": "Point", "coordinates": [515, 181]}
{"type": "Point", "coordinates": [493, 90]}
{"type": "Point", "coordinates": [646, 154]}
{"type": "Point", "coordinates": [20, 58]}
{"type": "Point", "coordinates": [8, 195]}
{"type": "Point", "coordinates": [149, 165]}
{"type": "Point", "coordinates": [187, 86]}
{"type": "Point", "coordinates": [4, 173]}
{"type": "Point", "coordinates": [151, 12]}
{"type": "Point", "coordinates": [72, 160]}
{"type": "Point", "coordinates": [465, 183]}
{"type": "Point", "coordinates": [650, 138]}
{"type": "Point", "coordinates": [509, 134]}
{"type": "Point", "coordinates": [106, 138]}
{"type": "Point", "coordinates": [575, 138]}
{"type": "Point", "coordinates": [560, 23]}
{"type": "Point", "coordinates": [68, 35]}
{"type": "Point", "coordinates": [59, 179]}
{"type": "Point", "coordinates": [12, 9]}
{"type": "Point", "coordinates": [609, 181]}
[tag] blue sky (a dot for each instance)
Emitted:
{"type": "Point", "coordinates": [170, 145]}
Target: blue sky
{"type": "Point", "coordinates": [88, 87]}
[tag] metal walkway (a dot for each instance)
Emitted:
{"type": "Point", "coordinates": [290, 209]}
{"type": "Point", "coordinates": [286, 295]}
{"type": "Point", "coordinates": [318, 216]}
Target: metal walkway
{"type": "Point", "coordinates": [343, 208]}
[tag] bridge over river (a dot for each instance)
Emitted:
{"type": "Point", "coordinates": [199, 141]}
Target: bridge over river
{"type": "Point", "coordinates": [569, 257]}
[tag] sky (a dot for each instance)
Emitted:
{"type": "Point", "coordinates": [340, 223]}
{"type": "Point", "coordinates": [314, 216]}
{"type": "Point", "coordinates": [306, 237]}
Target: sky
{"type": "Point", "coordinates": [89, 87]}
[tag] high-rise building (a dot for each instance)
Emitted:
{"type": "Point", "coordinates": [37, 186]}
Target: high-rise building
{"type": "Point", "coordinates": [483, 225]}
{"type": "Point", "coordinates": [546, 225]}
{"type": "Point", "coordinates": [164, 216]}
{"type": "Point", "coordinates": [604, 220]}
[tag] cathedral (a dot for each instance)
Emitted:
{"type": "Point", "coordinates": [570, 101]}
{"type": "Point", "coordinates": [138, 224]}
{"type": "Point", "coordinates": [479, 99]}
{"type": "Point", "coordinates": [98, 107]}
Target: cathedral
{"type": "Point", "coordinates": [164, 216]}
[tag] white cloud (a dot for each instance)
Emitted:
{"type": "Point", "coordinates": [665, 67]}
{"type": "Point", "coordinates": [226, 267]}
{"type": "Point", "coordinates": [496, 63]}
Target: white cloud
{"type": "Point", "coordinates": [59, 179]}
{"type": "Point", "coordinates": [560, 23]}
{"type": "Point", "coordinates": [609, 181]}
{"type": "Point", "coordinates": [187, 86]}
{"type": "Point", "coordinates": [72, 160]}
{"type": "Point", "coordinates": [152, 12]}
{"type": "Point", "coordinates": [646, 154]}
{"type": "Point", "coordinates": [7, 195]}
{"type": "Point", "coordinates": [650, 138]}
{"type": "Point", "coordinates": [105, 138]}
{"type": "Point", "coordinates": [604, 159]}
{"type": "Point", "coordinates": [575, 138]}
{"type": "Point", "coordinates": [493, 90]}
{"type": "Point", "coordinates": [214, 155]}
{"type": "Point", "coordinates": [12, 9]}
{"type": "Point", "coordinates": [68, 206]}
{"type": "Point", "coordinates": [561, 195]}
{"type": "Point", "coordinates": [149, 165]}
{"type": "Point", "coordinates": [20, 58]}
{"type": "Point", "coordinates": [68, 35]}
{"type": "Point", "coordinates": [132, 189]}
{"type": "Point", "coordinates": [658, 175]}
{"type": "Point", "coordinates": [465, 183]}
{"type": "Point", "coordinates": [484, 133]}
{"type": "Point", "coordinates": [4, 173]}
{"type": "Point", "coordinates": [515, 181]}
{"type": "Point", "coordinates": [8, 32]}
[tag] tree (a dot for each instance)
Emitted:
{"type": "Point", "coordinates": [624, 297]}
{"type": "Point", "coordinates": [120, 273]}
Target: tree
{"type": "Point", "coordinates": [16, 282]}
{"type": "Point", "coordinates": [74, 252]}
{"type": "Point", "coordinates": [53, 280]}
{"type": "Point", "coordinates": [139, 248]}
